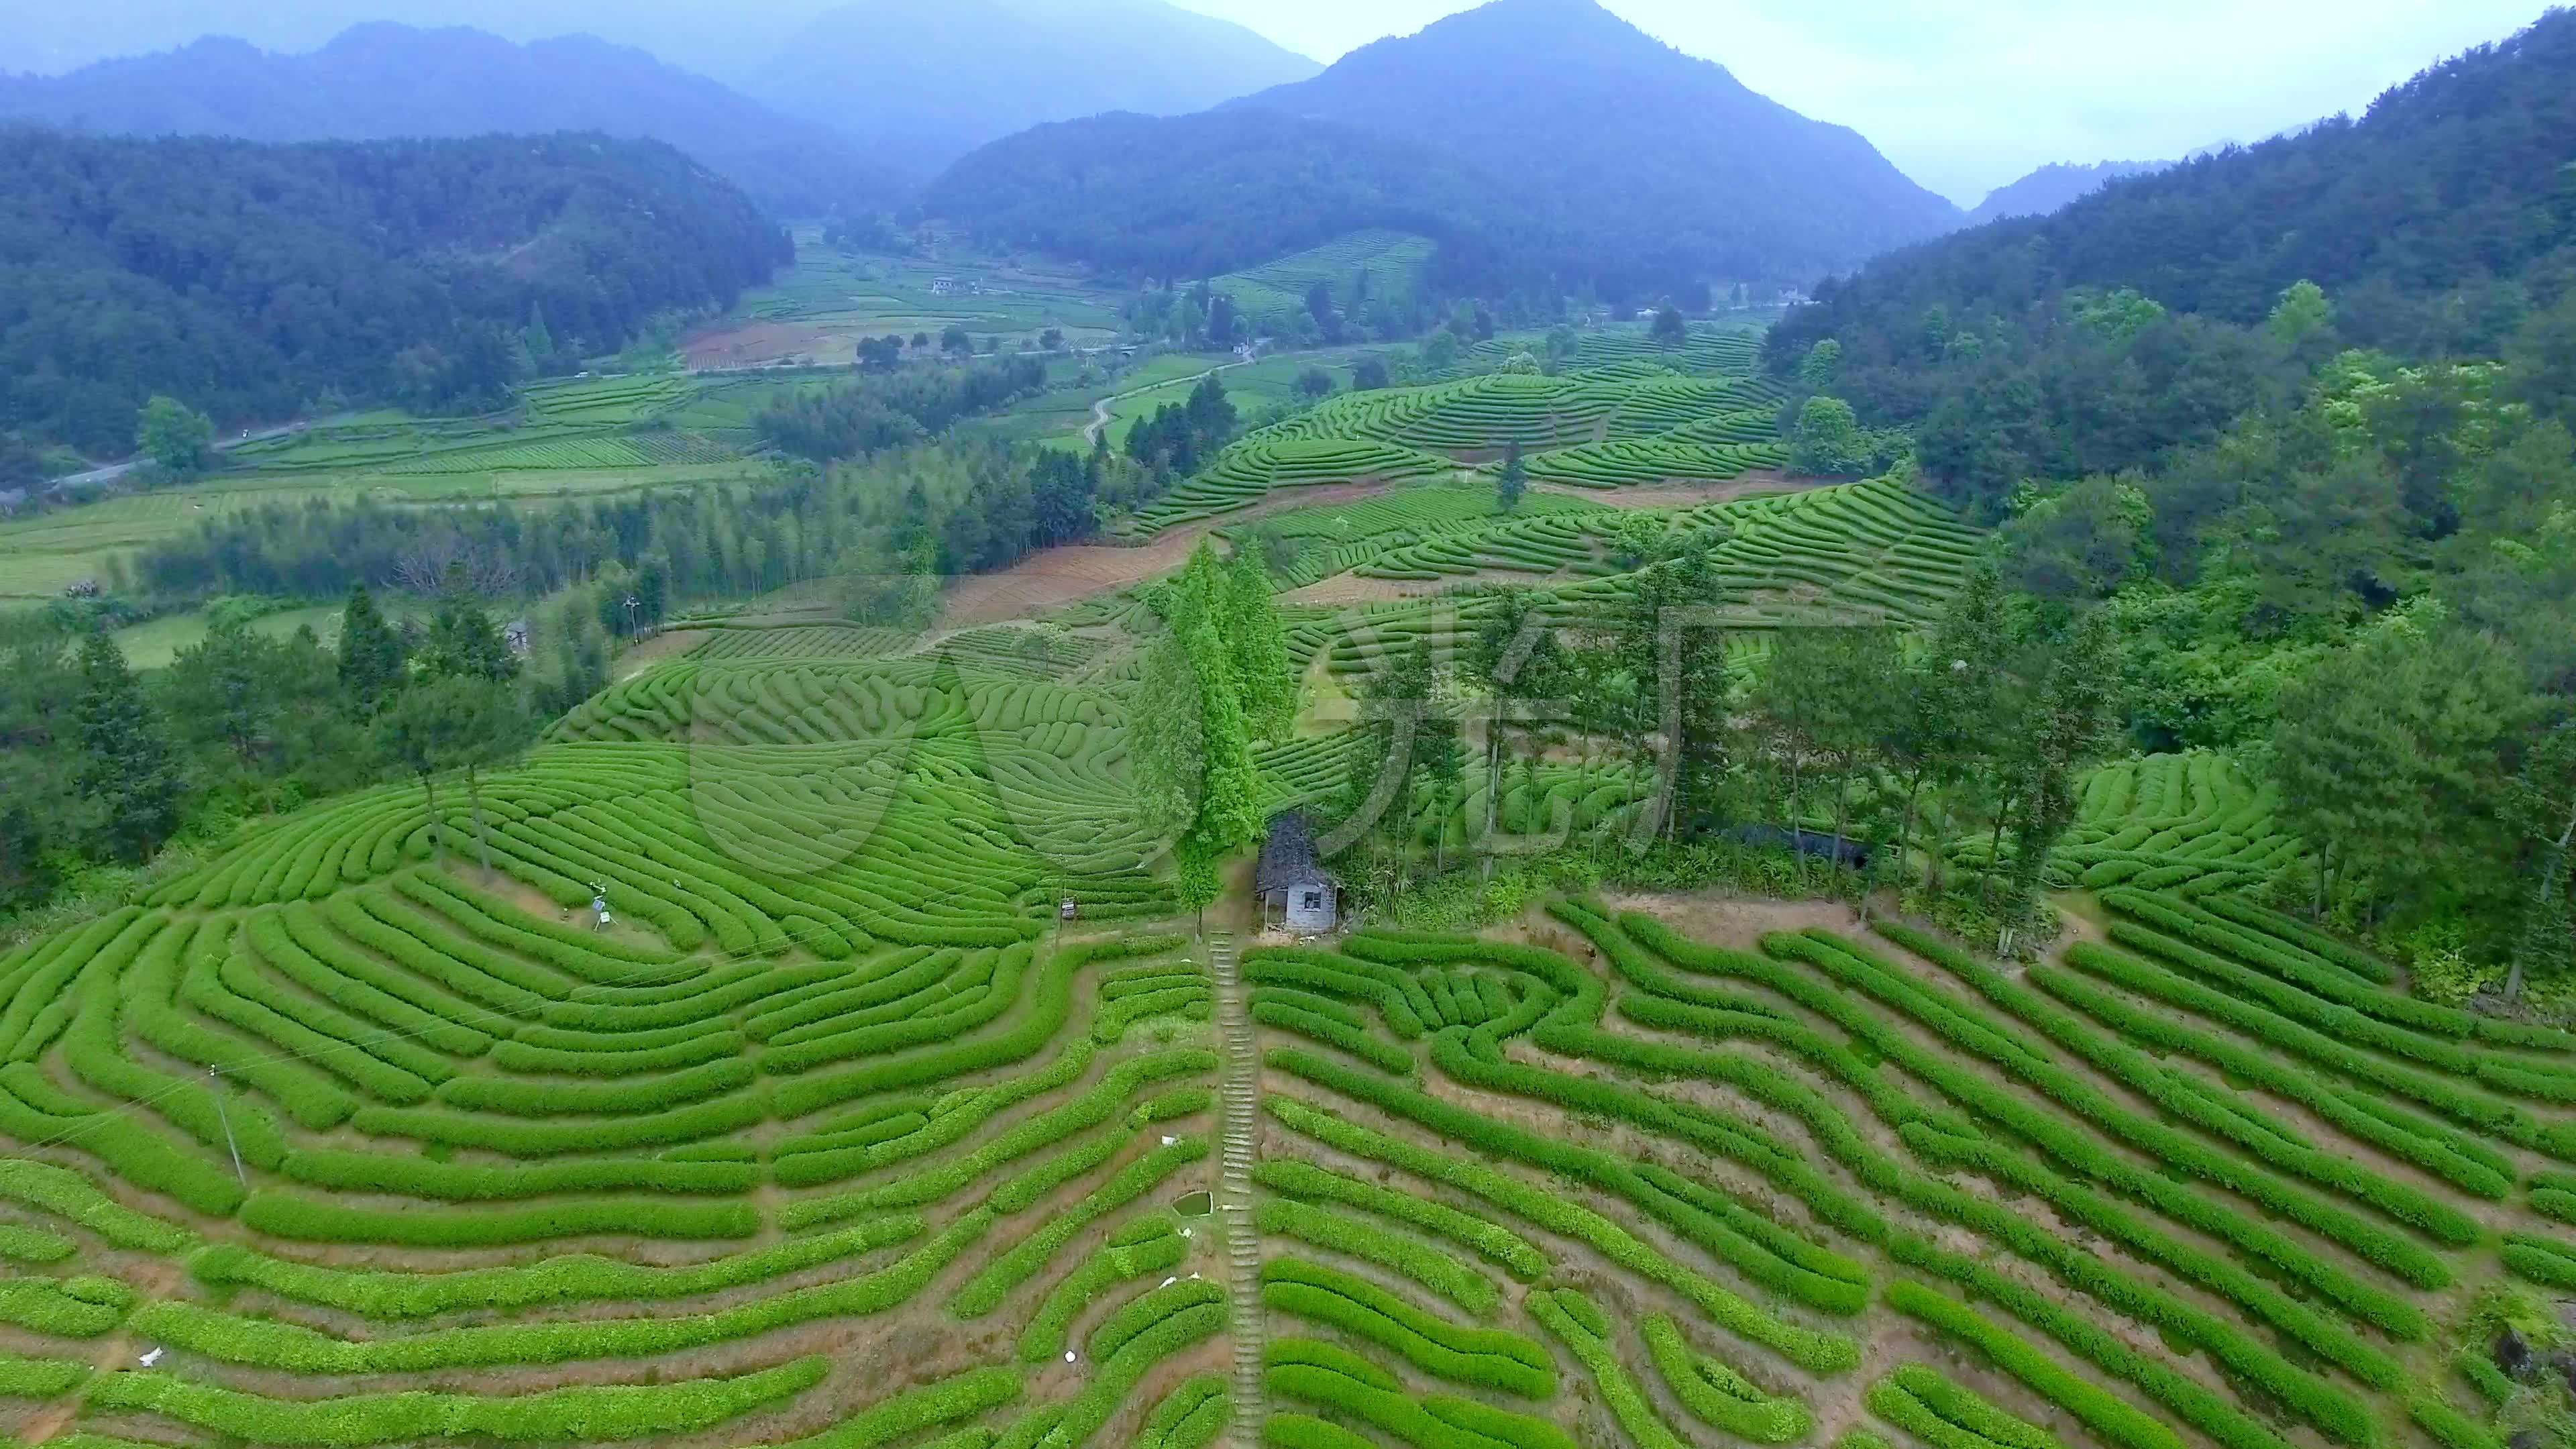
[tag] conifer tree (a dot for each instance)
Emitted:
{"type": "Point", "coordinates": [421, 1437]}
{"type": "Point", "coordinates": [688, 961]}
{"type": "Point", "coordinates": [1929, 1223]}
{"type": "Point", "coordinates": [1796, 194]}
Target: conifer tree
{"type": "Point", "coordinates": [1258, 644]}
{"type": "Point", "coordinates": [126, 772]}
{"type": "Point", "coordinates": [1512, 481]}
{"type": "Point", "coordinates": [371, 655]}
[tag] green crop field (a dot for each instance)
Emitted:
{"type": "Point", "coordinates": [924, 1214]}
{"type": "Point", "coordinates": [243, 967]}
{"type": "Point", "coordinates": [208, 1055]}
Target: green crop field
{"type": "Point", "coordinates": [1369, 265]}
{"type": "Point", "coordinates": [830, 300]}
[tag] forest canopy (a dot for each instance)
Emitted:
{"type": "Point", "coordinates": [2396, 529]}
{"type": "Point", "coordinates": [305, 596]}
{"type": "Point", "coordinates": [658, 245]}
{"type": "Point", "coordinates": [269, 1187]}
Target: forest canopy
{"type": "Point", "coordinates": [250, 281]}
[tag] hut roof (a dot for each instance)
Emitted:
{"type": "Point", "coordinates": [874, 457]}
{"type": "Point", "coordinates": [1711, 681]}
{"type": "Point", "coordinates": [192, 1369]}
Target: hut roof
{"type": "Point", "coordinates": [1288, 855]}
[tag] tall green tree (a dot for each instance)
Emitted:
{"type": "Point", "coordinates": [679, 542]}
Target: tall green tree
{"type": "Point", "coordinates": [454, 722]}
{"type": "Point", "coordinates": [2542, 811]}
{"type": "Point", "coordinates": [126, 774]}
{"type": "Point", "coordinates": [1166, 749]}
{"type": "Point", "coordinates": [1827, 440]}
{"type": "Point", "coordinates": [1515, 659]}
{"type": "Point", "coordinates": [372, 658]}
{"type": "Point", "coordinates": [2391, 762]}
{"type": "Point", "coordinates": [1679, 690]}
{"type": "Point", "coordinates": [1512, 480]}
{"type": "Point", "coordinates": [1258, 646]}
{"type": "Point", "coordinates": [463, 641]}
{"type": "Point", "coordinates": [2071, 715]}
{"type": "Point", "coordinates": [175, 435]}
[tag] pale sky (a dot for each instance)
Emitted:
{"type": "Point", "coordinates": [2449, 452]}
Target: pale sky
{"type": "Point", "coordinates": [1964, 97]}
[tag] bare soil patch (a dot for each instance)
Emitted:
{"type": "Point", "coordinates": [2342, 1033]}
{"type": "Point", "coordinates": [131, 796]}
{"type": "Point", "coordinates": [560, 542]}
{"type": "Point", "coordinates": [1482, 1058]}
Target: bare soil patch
{"type": "Point", "coordinates": [1055, 577]}
{"type": "Point", "coordinates": [660, 649]}
{"type": "Point", "coordinates": [754, 343]}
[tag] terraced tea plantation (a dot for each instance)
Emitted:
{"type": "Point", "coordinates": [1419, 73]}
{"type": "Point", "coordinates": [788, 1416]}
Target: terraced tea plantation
{"type": "Point", "coordinates": [1627, 414]}
{"type": "Point", "coordinates": [835, 1137]}
{"type": "Point", "coordinates": [802, 1047]}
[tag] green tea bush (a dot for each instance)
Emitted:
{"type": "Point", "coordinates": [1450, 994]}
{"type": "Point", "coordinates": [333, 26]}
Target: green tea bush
{"type": "Point", "coordinates": [422, 1177]}
{"type": "Point", "coordinates": [267, 1343]}
{"type": "Point", "coordinates": [518, 1137]}
{"type": "Point", "coordinates": [1301, 1179]}
{"type": "Point", "coordinates": [69, 1196]}
{"type": "Point", "coordinates": [2223, 1116]}
{"type": "Point", "coordinates": [941, 1058]}
{"type": "Point", "coordinates": [39, 1378]}
{"type": "Point", "coordinates": [1578, 1324]}
{"type": "Point", "coordinates": [1127, 1257]}
{"type": "Point", "coordinates": [2451, 1098]}
{"type": "Point", "coordinates": [1189, 1417]}
{"type": "Point", "coordinates": [918, 1409]}
{"type": "Point", "coordinates": [2428, 1145]}
{"type": "Point", "coordinates": [82, 1307]}
{"type": "Point", "coordinates": [1717, 1395]}
{"type": "Point", "coordinates": [315, 1220]}
{"type": "Point", "coordinates": [2205, 1410]}
{"type": "Point", "coordinates": [1397, 1252]}
{"type": "Point", "coordinates": [562, 1099]}
{"type": "Point", "coordinates": [1095, 1105]}
{"type": "Point", "coordinates": [2176, 1149]}
{"type": "Point", "coordinates": [574, 1278]}
{"type": "Point", "coordinates": [2115, 1421]}
{"type": "Point", "coordinates": [1484, 1357]}
{"type": "Point", "coordinates": [1947, 1416]}
{"type": "Point", "coordinates": [1818, 1352]}
{"type": "Point", "coordinates": [611, 1411]}
{"type": "Point", "coordinates": [1332, 1032]}
{"type": "Point", "coordinates": [1428, 1421]}
{"type": "Point", "coordinates": [1029, 1256]}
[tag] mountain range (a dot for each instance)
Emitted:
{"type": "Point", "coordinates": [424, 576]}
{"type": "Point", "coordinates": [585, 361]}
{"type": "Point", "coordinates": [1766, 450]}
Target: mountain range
{"type": "Point", "coordinates": [1635, 168]}
{"type": "Point", "coordinates": [913, 83]}
{"type": "Point", "coordinates": [2053, 186]}
{"type": "Point", "coordinates": [381, 80]}
{"type": "Point", "coordinates": [924, 84]}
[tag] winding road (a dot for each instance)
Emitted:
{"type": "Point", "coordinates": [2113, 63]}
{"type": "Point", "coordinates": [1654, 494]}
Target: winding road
{"type": "Point", "coordinates": [1100, 409]}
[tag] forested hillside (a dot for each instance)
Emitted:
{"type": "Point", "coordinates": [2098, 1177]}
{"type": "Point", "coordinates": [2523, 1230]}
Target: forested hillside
{"type": "Point", "coordinates": [2295, 421]}
{"type": "Point", "coordinates": [1582, 151]}
{"type": "Point", "coordinates": [381, 80]}
{"type": "Point", "coordinates": [2436, 222]}
{"type": "Point", "coordinates": [249, 281]}
{"type": "Point", "coordinates": [1198, 196]}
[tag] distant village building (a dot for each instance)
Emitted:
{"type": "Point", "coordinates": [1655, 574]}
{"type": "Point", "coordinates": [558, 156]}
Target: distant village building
{"type": "Point", "coordinates": [515, 634]}
{"type": "Point", "coordinates": [1289, 879]}
{"type": "Point", "coordinates": [942, 286]}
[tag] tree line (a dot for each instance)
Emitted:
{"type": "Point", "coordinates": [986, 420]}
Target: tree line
{"type": "Point", "coordinates": [1858, 751]}
{"type": "Point", "coordinates": [915, 511]}
{"type": "Point", "coordinates": [101, 766]}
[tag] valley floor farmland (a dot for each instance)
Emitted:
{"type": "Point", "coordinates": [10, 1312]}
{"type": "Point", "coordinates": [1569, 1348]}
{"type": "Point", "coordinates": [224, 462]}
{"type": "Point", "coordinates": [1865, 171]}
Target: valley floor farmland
{"type": "Point", "coordinates": [367, 1132]}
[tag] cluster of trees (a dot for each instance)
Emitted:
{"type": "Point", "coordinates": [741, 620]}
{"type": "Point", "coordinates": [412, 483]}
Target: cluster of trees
{"type": "Point", "coordinates": [1181, 438]}
{"type": "Point", "coordinates": [872, 413]}
{"type": "Point", "coordinates": [1843, 742]}
{"type": "Point", "coordinates": [911, 513]}
{"type": "Point", "coordinates": [1216, 681]}
{"type": "Point", "coordinates": [2312, 476]}
{"type": "Point", "coordinates": [247, 281]}
{"type": "Point", "coordinates": [101, 766]}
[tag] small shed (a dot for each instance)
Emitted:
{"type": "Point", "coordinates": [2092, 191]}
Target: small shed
{"type": "Point", "coordinates": [1290, 879]}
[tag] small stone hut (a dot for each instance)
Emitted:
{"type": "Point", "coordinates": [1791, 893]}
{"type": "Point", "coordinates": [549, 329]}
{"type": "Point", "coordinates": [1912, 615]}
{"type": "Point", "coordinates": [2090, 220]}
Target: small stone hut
{"type": "Point", "coordinates": [1290, 880]}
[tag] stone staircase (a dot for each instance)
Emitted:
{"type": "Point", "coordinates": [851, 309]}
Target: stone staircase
{"type": "Point", "coordinates": [1239, 1135]}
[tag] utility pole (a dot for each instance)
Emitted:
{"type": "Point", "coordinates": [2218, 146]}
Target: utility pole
{"type": "Point", "coordinates": [217, 1092]}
